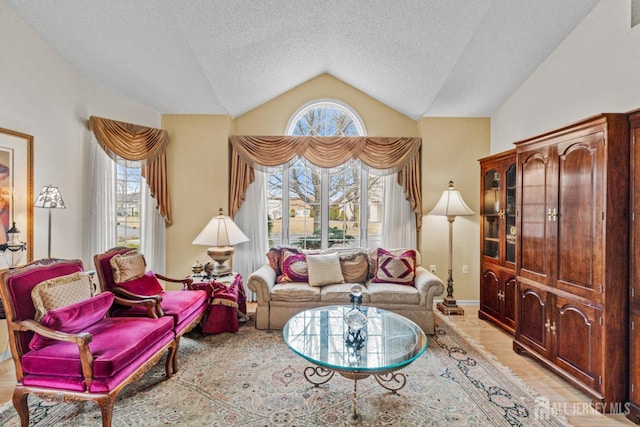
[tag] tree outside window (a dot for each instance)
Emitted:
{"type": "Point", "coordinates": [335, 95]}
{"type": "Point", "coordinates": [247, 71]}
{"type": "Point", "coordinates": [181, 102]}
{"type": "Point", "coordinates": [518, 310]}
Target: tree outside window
{"type": "Point", "coordinates": [128, 203]}
{"type": "Point", "coordinates": [339, 207]}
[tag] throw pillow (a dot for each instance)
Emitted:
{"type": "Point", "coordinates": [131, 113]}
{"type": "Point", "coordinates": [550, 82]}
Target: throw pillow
{"type": "Point", "coordinates": [294, 267]}
{"type": "Point", "coordinates": [324, 269]}
{"type": "Point", "coordinates": [128, 266]}
{"type": "Point", "coordinates": [274, 256]}
{"type": "Point", "coordinates": [392, 268]}
{"type": "Point", "coordinates": [61, 291]}
{"type": "Point", "coordinates": [146, 285]}
{"type": "Point", "coordinates": [355, 266]}
{"type": "Point", "coordinates": [73, 318]}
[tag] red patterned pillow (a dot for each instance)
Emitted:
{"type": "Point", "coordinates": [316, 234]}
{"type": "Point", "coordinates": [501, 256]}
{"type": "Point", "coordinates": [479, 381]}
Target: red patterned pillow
{"type": "Point", "coordinates": [294, 267]}
{"type": "Point", "coordinates": [392, 268]}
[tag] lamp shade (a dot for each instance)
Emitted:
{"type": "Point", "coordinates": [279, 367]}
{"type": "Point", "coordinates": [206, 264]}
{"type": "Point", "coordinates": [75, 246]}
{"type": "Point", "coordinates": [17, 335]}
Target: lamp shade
{"type": "Point", "coordinates": [451, 204]}
{"type": "Point", "coordinates": [49, 197]}
{"type": "Point", "coordinates": [220, 231]}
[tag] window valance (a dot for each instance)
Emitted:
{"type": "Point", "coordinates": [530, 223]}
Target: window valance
{"type": "Point", "coordinates": [138, 143]}
{"type": "Point", "coordinates": [380, 155]}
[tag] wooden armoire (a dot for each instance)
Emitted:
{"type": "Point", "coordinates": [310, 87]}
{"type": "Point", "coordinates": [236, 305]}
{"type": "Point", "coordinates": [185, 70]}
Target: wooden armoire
{"type": "Point", "coordinates": [572, 254]}
{"type": "Point", "coordinates": [498, 239]}
{"type": "Point", "coordinates": [634, 273]}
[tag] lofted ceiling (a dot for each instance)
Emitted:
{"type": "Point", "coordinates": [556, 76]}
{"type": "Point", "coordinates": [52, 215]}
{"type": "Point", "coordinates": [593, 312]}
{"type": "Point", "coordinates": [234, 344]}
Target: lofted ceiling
{"type": "Point", "coordinates": [420, 57]}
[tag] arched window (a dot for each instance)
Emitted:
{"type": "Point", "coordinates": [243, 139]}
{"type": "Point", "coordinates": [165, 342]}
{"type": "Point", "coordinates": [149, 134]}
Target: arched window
{"type": "Point", "coordinates": [319, 208]}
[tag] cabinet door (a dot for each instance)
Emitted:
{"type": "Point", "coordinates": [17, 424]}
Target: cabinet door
{"type": "Point", "coordinates": [533, 198]}
{"type": "Point", "coordinates": [578, 343]}
{"type": "Point", "coordinates": [509, 299]}
{"type": "Point", "coordinates": [579, 216]}
{"type": "Point", "coordinates": [509, 217]}
{"type": "Point", "coordinates": [491, 214]}
{"type": "Point", "coordinates": [533, 319]}
{"type": "Point", "coordinates": [489, 293]}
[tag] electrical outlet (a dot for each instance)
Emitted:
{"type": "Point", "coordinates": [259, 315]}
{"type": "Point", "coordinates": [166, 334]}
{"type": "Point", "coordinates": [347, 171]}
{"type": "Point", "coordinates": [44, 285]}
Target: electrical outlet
{"type": "Point", "coordinates": [465, 269]}
{"type": "Point", "coordinates": [432, 268]}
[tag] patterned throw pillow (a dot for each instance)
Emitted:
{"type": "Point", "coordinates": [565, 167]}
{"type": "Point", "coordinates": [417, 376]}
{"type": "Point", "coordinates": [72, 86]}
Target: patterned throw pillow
{"type": "Point", "coordinates": [324, 269]}
{"type": "Point", "coordinates": [60, 292]}
{"type": "Point", "coordinates": [392, 268]}
{"type": "Point", "coordinates": [128, 266]}
{"type": "Point", "coordinates": [294, 267]}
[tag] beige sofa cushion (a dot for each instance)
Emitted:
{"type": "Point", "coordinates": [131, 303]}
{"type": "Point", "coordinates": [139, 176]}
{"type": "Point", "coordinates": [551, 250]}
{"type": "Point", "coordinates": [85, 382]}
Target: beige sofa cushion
{"type": "Point", "coordinates": [355, 266]}
{"type": "Point", "coordinates": [392, 293]}
{"type": "Point", "coordinates": [339, 294]}
{"type": "Point", "coordinates": [295, 292]}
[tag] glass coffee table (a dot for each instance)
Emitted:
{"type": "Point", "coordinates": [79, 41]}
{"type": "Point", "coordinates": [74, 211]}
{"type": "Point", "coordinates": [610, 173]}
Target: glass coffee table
{"type": "Point", "coordinates": [386, 343]}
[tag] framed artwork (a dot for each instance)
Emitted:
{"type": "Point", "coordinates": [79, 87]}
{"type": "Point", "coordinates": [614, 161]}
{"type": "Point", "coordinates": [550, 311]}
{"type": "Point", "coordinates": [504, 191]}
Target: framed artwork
{"type": "Point", "coordinates": [16, 188]}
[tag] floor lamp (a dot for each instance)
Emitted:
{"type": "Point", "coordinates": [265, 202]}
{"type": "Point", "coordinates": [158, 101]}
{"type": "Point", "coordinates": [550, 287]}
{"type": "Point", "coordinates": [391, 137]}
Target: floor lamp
{"type": "Point", "coordinates": [49, 198]}
{"type": "Point", "coordinates": [450, 205]}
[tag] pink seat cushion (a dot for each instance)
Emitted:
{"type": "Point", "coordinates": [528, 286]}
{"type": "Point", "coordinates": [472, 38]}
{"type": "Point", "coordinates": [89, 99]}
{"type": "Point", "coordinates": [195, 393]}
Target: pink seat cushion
{"type": "Point", "coordinates": [116, 344]}
{"type": "Point", "coordinates": [73, 318]}
{"type": "Point", "coordinates": [146, 285]}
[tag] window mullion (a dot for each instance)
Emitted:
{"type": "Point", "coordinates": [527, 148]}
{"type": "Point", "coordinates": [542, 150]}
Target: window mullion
{"type": "Point", "coordinates": [364, 208]}
{"type": "Point", "coordinates": [324, 209]}
{"type": "Point", "coordinates": [285, 205]}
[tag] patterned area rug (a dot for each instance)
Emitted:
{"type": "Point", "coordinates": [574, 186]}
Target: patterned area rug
{"type": "Point", "coordinates": [252, 379]}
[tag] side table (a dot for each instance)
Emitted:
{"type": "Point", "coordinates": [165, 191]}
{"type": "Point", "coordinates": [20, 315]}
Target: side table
{"type": "Point", "coordinates": [227, 302]}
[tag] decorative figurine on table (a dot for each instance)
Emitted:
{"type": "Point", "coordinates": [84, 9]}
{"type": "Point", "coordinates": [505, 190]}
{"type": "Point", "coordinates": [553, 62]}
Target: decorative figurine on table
{"type": "Point", "coordinates": [355, 336]}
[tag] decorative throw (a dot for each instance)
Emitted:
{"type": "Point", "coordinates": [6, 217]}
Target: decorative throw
{"type": "Point", "coordinates": [324, 269]}
{"type": "Point", "coordinates": [294, 267]}
{"type": "Point", "coordinates": [128, 266]}
{"type": "Point", "coordinates": [392, 268]}
{"type": "Point", "coordinates": [60, 292]}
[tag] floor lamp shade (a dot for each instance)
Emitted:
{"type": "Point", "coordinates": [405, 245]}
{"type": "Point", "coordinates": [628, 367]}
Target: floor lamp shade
{"type": "Point", "coordinates": [450, 205]}
{"type": "Point", "coordinates": [220, 234]}
{"type": "Point", "coordinates": [49, 198]}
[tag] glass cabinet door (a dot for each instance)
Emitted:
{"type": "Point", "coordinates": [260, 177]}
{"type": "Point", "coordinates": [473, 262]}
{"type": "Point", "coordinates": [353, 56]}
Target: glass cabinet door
{"type": "Point", "coordinates": [510, 215]}
{"type": "Point", "coordinates": [491, 213]}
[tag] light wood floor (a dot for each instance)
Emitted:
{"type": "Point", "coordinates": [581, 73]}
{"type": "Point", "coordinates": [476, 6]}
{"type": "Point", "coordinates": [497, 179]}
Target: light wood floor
{"type": "Point", "coordinates": [560, 393]}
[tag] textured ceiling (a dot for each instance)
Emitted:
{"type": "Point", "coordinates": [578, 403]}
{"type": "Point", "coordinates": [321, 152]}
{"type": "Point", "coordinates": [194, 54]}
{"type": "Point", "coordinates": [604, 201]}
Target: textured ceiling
{"type": "Point", "coordinates": [420, 57]}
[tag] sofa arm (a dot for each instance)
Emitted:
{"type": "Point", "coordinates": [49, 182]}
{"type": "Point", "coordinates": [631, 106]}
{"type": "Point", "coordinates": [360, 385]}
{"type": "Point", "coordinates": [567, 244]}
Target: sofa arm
{"type": "Point", "coordinates": [261, 282]}
{"type": "Point", "coordinates": [428, 285]}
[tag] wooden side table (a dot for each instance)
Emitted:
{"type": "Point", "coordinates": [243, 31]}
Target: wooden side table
{"type": "Point", "coordinates": [227, 302]}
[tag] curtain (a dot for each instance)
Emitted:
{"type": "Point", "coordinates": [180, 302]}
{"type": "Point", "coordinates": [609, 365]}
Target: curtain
{"type": "Point", "coordinates": [102, 231]}
{"type": "Point", "coordinates": [383, 156]}
{"type": "Point", "coordinates": [152, 232]}
{"type": "Point", "coordinates": [398, 222]}
{"type": "Point", "coordinates": [252, 220]}
{"type": "Point", "coordinates": [139, 143]}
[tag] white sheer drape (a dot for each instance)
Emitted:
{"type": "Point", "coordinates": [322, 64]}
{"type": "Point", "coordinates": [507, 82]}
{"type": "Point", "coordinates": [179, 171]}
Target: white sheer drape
{"type": "Point", "coordinates": [152, 232]}
{"type": "Point", "coordinates": [252, 220]}
{"type": "Point", "coordinates": [102, 229]}
{"type": "Point", "coordinates": [398, 221]}
{"type": "Point", "coordinates": [102, 203]}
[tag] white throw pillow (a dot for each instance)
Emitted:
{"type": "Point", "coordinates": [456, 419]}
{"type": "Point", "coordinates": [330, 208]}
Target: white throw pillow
{"type": "Point", "coordinates": [324, 269]}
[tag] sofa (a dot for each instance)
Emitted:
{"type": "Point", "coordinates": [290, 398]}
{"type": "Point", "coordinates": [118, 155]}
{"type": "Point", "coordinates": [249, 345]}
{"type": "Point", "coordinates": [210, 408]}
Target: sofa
{"type": "Point", "coordinates": [64, 345]}
{"type": "Point", "coordinates": [294, 280]}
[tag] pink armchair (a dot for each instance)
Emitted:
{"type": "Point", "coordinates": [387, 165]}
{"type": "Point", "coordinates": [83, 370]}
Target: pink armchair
{"type": "Point", "coordinates": [185, 308]}
{"type": "Point", "coordinates": [75, 353]}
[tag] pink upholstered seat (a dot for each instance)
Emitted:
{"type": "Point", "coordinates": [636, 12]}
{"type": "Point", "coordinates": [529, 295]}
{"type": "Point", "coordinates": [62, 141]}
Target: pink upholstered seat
{"type": "Point", "coordinates": [186, 308]}
{"type": "Point", "coordinates": [78, 353]}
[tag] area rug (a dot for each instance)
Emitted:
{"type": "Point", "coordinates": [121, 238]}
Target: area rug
{"type": "Point", "coordinates": [252, 379]}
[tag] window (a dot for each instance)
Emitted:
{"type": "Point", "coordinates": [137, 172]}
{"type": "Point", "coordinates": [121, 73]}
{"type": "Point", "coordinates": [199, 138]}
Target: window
{"type": "Point", "coordinates": [128, 203]}
{"type": "Point", "coordinates": [314, 208]}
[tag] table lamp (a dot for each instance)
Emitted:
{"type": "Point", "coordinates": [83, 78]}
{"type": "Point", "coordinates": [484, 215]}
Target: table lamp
{"type": "Point", "coordinates": [220, 234]}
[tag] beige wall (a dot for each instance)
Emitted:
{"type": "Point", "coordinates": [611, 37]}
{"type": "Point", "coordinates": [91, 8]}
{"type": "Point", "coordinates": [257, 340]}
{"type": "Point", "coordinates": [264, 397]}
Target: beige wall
{"type": "Point", "coordinates": [199, 169]}
{"type": "Point", "coordinates": [451, 148]}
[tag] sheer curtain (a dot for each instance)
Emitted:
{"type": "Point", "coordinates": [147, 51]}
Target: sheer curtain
{"type": "Point", "coordinates": [398, 220]}
{"type": "Point", "coordinates": [152, 232]}
{"type": "Point", "coordinates": [252, 220]}
{"type": "Point", "coordinates": [102, 202]}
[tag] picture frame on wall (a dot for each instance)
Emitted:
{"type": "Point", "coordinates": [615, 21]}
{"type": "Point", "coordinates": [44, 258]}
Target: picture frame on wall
{"type": "Point", "coordinates": [16, 188]}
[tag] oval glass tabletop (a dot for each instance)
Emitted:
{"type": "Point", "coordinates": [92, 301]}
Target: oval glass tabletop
{"type": "Point", "coordinates": [386, 342]}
